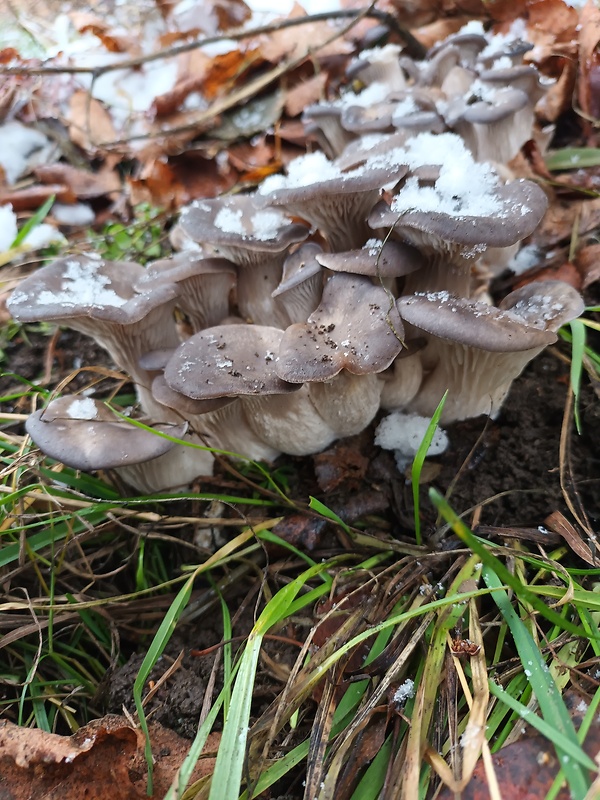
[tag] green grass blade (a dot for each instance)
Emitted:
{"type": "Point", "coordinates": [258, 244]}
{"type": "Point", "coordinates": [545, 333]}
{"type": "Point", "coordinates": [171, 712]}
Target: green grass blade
{"type": "Point", "coordinates": [227, 777]}
{"type": "Point", "coordinates": [419, 460]}
{"type": "Point", "coordinates": [577, 355]}
{"type": "Point", "coordinates": [162, 636]}
{"type": "Point", "coordinates": [34, 221]}
{"type": "Point", "coordinates": [547, 729]}
{"type": "Point", "coordinates": [549, 699]}
{"type": "Point", "coordinates": [573, 158]}
{"type": "Point", "coordinates": [523, 592]}
{"type": "Point", "coordinates": [322, 509]}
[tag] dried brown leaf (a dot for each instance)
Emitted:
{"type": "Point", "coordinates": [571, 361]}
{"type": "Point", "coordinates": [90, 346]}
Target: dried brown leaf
{"type": "Point", "coordinates": [34, 196]}
{"type": "Point", "coordinates": [588, 82]}
{"type": "Point", "coordinates": [90, 124]}
{"type": "Point", "coordinates": [588, 263]}
{"type": "Point", "coordinates": [562, 217]}
{"type": "Point", "coordinates": [227, 68]}
{"type": "Point", "coordinates": [290, 43]}
{"type": "Point", "coordinates": [558, 523]}
{"type": "Point", "coordinates": [303, 94]}
{"type": "Point", "coordinates": [82, 183]}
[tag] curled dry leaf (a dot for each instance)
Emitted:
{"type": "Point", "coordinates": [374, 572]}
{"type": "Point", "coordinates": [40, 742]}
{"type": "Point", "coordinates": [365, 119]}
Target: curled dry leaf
{"type": "Point", "coordinates": [114, 42]}
{"type": "Point", "coordinates": [526, 769]}
{"type": "Point", "coordinates": [305, 93]}
{"type": "Point", "coordinates": [290, 43]}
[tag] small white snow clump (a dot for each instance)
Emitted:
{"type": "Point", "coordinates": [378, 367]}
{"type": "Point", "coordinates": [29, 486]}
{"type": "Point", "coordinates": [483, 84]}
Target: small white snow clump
{"type": "Point", "coordinates": [404, 433]}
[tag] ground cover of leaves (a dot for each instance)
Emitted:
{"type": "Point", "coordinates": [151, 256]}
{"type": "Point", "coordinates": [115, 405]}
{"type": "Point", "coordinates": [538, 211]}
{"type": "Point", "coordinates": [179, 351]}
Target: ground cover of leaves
{"type": "Point", "coordinates": [521, 480]}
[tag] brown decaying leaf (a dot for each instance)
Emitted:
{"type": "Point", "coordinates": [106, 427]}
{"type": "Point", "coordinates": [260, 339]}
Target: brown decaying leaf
{"type": "Point", "coordinates": [341, 466]}
{"type": "Point", "coordinates": [290, 43]}
{"type": "Point", "coordinates": [104, 759]}
{"type": "Point", "coordinates": [82, 183]}
{"type": "Point", "coordinates": [526, 769]}
{"type": "Point", "coordinates": [566, 272]}
{"type": "Point", "coordinates": [173, 183]}
{"type": "Point", "coordinates": [588, 263]}
{"type": "Point", "coordinates": [86, 22]}
{"type": "Point", "coordinates": [34, 196]}
{"type": "Point", "coordinates": [561, 219]}
{"type": "Point", "coordinates": [558, 523]}
{"type": "Point", "coordinates": [304, 93]}
{"type": "Point", "coordinates": [588, 82]}
{"type": "Point", "coordinates": [90, 124]}
{"type": "Point", "coordinates": [227, 68]}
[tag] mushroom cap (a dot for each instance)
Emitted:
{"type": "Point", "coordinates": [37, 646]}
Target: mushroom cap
{"type": "Point", "coordinates": [183, 266]}
{"type": "Point", "coordinates": [505, 216]}
{"type": "Point", "coordinates": [205, 285]}
{"type": "Point", "coordinates": [471, 323]}
{"type": "Point", "coordinates": [335, 200]}
{"type": "Point", "coordinates": [155, 360]}
{"type": "Point", "coordinates": [228, 361]}
{"type": "Point", "coordinates": [313, 177]}
{"type": "Point", "coordinates": [356, 327]}
{"type": "Point", "coordinates": [545, 304]}
{"type": "Point", "coordinates": [85, 434]}
{"type": "Point", "coordinates": [389, 259]}
{"type": "Point", "coordinates": [87, 286]}
{"type": "Point", "coordinates": [184, 405]}
{"type": "Point", "coordinates": [504, 103]}
{"type": "Point", "coordinates": [240, 221]}
{"type": "Point", "coordinates": [299, 266]}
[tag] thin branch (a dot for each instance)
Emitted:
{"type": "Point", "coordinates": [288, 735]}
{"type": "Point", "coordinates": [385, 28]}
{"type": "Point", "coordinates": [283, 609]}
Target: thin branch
{"type": "Point", "coordinates": [413, 47]}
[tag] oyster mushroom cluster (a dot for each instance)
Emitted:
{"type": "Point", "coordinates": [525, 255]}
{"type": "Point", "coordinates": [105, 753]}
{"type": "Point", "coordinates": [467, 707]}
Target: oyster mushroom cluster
{"type": "Point", "coordinates": [340, 288]}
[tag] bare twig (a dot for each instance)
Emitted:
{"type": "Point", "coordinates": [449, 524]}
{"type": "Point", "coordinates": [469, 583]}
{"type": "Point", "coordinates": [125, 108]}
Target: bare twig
{"type": "Point", "coordinates": [413, 47]}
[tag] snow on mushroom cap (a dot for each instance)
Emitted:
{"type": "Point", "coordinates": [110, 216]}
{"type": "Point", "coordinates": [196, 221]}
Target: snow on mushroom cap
{"type": "Point", "coordinates": [266, 224]}
{"type": "Point", "coordinates": [463, 188]}
{"type": "Point", "coordinates": [82, 284]}
{"type": "Point", "coordinates": [471, 323]}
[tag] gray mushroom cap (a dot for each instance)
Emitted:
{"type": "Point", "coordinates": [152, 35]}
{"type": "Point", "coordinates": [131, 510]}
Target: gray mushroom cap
{"type": "Point", "coordinates": [205, 285]}
{"type": "Point", "coordinates": [239, 225]}
{"type": "Point", "coordinates": [471, 323]}
{"type": "Point", "coordinates": [87, 286]}
{"type": "Point", "coordinates": [228, 361]}
{"type": "Point", "coordinates": [519, 207]}
{"type": "Point", "coordinates": [545, 304]}
{"type": "Point", "coordinates": [301, 285]}
{"type": "Point", "coordinates": [98, 298]}
{"type": "Point", "coordinates": [299, 266]}
{"type": "Point", "coordinates": [354, 328]}
{"type": "Point", "coordinates": [389, 259]}
{"type": "Point", "coordinates": [335, 200]}
{"type": "Point", "coordinates": [182, 404]}
{"type": "Point", "coordinates": [84, 434]}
